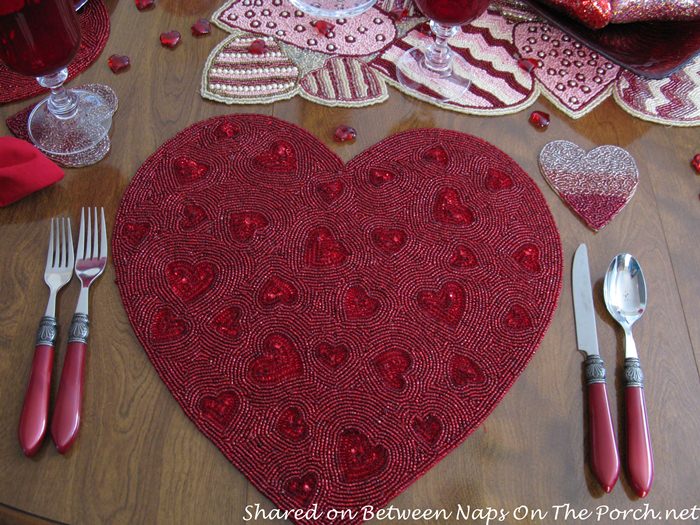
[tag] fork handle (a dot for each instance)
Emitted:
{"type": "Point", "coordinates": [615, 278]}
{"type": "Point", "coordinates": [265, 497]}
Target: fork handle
{"type": "Point", "coordinates": [33, 421]}
{"type": "Point", "coordinates": [66, 417]}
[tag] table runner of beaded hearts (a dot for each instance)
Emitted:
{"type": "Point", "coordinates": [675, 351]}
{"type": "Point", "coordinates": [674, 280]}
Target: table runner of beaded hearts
{"type": "Point", "coordinates": [94, 29]}
{"type": "Point", "coordinates": [335, 329]}
{"type": "Point", "coordinates": [353, 60]}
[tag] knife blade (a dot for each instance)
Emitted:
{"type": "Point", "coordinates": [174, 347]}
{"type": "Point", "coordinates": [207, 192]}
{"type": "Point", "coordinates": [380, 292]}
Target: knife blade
{"type": "Point", "coordinates": [603, 456]}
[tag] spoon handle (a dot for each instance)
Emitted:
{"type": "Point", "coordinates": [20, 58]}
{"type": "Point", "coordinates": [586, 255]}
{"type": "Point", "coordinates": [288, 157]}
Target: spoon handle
{"type": "Point", "coordinates": [605, 462]}
{"type": "Point", "coordinates": [640, 460]}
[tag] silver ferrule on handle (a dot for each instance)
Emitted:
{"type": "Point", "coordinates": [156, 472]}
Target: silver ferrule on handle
{"type": "Point", "coordinates": [633, 373]}
{"type": "Point", "coordinates": [594, 370]}
{"type": "Point", "coordinates": [79, 329]}
{"type": "Point", "coordinates": [47, 332]}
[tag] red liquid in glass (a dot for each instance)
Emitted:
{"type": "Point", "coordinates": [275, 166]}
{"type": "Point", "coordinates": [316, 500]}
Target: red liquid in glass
{"type": "Point", "coordinates": [38, 37]}
{"type": "Point", "coordinates": [452, 12]}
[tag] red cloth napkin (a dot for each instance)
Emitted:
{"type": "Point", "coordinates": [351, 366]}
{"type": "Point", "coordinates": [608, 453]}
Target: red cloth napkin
{"type": "Point", "coordinates": [23, 170]}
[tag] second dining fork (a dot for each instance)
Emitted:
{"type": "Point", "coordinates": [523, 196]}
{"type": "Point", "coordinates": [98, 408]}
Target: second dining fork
{"type": "Point", "coordinates": [90, 262]}
{"type": "Point", "coordinates": [59, 269]}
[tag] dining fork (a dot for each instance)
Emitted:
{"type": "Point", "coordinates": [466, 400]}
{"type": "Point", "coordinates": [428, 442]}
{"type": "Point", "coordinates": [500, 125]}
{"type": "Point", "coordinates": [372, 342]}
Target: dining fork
{"type": "Point", "coordinates": [90, 262]}
{"type": "Point", "coordinates": [57, 273]}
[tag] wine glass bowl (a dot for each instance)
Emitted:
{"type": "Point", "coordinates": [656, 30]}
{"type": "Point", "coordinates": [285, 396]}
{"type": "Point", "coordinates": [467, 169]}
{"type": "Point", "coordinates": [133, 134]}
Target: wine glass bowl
{"type": "Point", "coordinates": [333, 8]}
{"type": "Point", "coordinates": [39, 38]}
{"type": "Point", "coordinates": [438, 67]}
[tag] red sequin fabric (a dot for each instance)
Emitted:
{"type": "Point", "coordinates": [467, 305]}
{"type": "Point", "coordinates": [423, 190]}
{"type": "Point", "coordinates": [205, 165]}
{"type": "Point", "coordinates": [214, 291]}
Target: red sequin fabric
{"type": "Point", "coordinates": [335, 329]}
{"type": "Point", "coordinates": [94, 29]}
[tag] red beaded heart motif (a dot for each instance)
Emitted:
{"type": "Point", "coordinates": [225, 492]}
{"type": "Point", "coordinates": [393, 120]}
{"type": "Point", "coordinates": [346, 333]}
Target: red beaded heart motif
{"type": "Point", "coordinates": [335, 329]}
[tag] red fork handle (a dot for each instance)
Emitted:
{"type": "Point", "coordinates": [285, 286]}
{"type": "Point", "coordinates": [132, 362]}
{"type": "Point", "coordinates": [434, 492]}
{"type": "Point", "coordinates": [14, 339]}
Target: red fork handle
{"type": "Point", "coordinates": [605, 461]}
{"type": "Point", "coordinates": [66, 415]}
{"type": "Point", "coordinates": [640, 459]}
{"type": "Point", "coordinates": [35, 412]}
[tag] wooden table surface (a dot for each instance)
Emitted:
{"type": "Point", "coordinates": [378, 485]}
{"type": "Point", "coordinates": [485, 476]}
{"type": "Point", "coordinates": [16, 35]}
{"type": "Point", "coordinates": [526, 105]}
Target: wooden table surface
{"type": "Point", "coordinates": [138, 459]}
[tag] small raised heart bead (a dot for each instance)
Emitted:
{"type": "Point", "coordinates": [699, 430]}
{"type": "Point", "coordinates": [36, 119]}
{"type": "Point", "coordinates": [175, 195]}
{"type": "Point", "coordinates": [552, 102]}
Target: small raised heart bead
{"type": "Point", "coordinates": [257, 47]}
{"type": "Point", "coordinates": [170, 39]}
{"type": "Point", "coordinates": [118, 63]}
{"type": "Point", "coordinates": [539, 119]}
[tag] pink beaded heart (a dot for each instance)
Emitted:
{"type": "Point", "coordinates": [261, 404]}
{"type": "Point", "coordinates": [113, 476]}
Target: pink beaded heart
{"type": "Point", "coordinates": [596, 185]}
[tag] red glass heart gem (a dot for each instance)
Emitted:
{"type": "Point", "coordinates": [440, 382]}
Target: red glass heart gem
{"type": "Point", "coordinates": [279, 361]}
{"type": "Point", "coordinates": [324, 27]}
{"type": "Point", "coordinates": [220, 409]}
{"type": "Point", "coordinates": [166, 327]}
{"type": "Point", "coordinates": [277, 291]}
{"type": "Point", "coordinates": [528, 64]}
{"type": "Point", "coordinates": [344, 133]}
{"type": "Point", "coordinates": [193, 216]}
{"type": "Point", "coordinates": [358, 458]}
{"type": "Point", "coordinates": [517, 318]}
{"type": "Point", "coordinates": [498, 180]}
{"type": "Point", "coordinates": [302, 489]}
{"type": "Point", "coordinates": [437, 155]}
{"type": "Point", "coordinates": [389, 240]}
{"type": "Point", "coordinates": [201, 27]}
{"type": "Point", "coordinates": [379, 177]}
{"type": "Point", "coordinates": [257, 47]}
{"type": "Point", "coordinates": [695, 163]}
{"type": "Point", "coordinates": [227, 322]}
{"type": "Point", "coordinates": [189, 170]}
{"type": "Point", "coordinates": [539, 119]}
{"type": "Point", "coordinates": [358, 303]}
{"type": "Point", "coordinates": [118, 63]}
{"type": "Point", "coordinates": [330, 191]}
{"type": "Point", "coordinates": [322, 249]}
{"type": "Point", "coordinates": [464, 371]}
{"type": "Point", "coordinates": [291, 424]}
{"type": "Point", "coordinates": [446, 305]}
{"type": "Point", "coordinates": [279, 157]}
{"type": "Point", "coordinates": [145, 5]}
{"type": "Point", "coordinates": [391, 367]}
{"type": "Point", "coordinates": [462, 257]}
{"type": "Point", "coordinates": [528, 256]}
{"type": "Point", "coordinates": [428, 428]}
{"type": "Point", "coordinates": [189, 281]}
{"type": "Point", "coordinates": [332, 356]}
{"type": "Point", "coordinates": [170, 39]}
{"type": "Point", "coordinates": [448, 208]}
{"type": "Point", "coordinates": [243, 225]}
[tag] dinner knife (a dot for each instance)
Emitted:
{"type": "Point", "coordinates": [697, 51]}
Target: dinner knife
{"type": "Point", "coordinates": [603, 456]}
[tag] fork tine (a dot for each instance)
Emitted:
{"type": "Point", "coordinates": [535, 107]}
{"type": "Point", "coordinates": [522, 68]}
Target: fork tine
{"type": "Point", "coordinates": [49, 254]}
{"type": "Point", "coordinates": [88, 235]}
{"type": "Point", "coordinates": [103, 239]}
{"type": "Point", "coordinates": [64, 244]}
{"type": "Point", "coordinates": [80, 254]}
{"type": "Point", "coordinates": [71, 253]}
{"type": "Point", "coordinates": [96, 241]}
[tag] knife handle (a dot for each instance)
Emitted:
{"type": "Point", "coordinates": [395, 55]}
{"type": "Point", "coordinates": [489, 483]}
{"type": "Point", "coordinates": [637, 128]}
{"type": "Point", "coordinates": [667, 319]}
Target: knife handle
{"type": "Point", "coordinates": [605, 462]}
{"type": "Point", "coordinates": [69, 402]}
{"type": "Point", "coordinates": [35, 411]}
{"type": "Point", "coordinates": [640, 460]}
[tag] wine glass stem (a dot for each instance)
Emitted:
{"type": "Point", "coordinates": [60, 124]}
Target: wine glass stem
{"type": "Point", "coordinates": [62, 103]}
{"type": "Point", "coordinates": [438, 56]}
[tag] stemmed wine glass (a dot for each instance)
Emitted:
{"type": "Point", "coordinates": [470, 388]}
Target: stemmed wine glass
{"type": "Point", "coordinates": [438, 67]}
{"type": "Point", "coordinates": [39, 38]}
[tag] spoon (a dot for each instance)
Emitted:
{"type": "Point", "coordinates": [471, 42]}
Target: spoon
{"type": "Point", "coordinates": [625, 293]}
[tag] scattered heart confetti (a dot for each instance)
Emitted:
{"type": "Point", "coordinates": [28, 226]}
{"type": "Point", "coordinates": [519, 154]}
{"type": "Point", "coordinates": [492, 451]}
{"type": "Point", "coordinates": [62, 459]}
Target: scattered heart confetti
{"type": "Point", "coordinates": [596, 185]}
{"type": "Point", "coordinates": [528, 64]}
{"type": "Point", "coordinates": [344, 133]}
{"type": "Point", "coordinates": [170, 39]}
{"type": "Point", "coordinates": [145, 5]}
{"type": "Point", "coordinates": [539, 119]}
{"type": "Point", "coordinates": [324, 28]}
{"type": "Point", "coordinates": [257, 47]}
{"type": "Point", "coordinates": [695, 163]}
{"type": "Point", "coordinates": [201, 27]}
{"type": "Point", "coordinates": [118, 63]}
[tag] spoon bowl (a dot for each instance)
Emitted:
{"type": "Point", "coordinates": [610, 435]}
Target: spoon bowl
{"type": "Point", "coordinates": [625, 290]}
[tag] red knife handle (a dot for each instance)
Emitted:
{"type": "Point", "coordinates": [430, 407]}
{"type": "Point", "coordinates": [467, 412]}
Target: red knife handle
{"type": "Point", "coordinates": [605, 462]}
{"type": "Point", "coordinates": [66, 415]}
{"type": "Point", "coordinates": [33, 421]}
{"type": "Point", "coordinates": [640, 460]}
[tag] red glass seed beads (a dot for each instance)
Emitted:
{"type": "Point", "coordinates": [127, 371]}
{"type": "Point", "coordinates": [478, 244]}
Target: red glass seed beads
{"type": "Point", "coordinates": [696, 163]}
{"type": "Point", "coordinates": [201, 27]}
{"type": "Point", "coordinates": [170, 39]}
{"type": "Point", "coordinates": [539, 119]}
{"type": "Point", "coordinates": [145, 5]}
{"type": "Point", "coordinates": [118, 63]}
{"type": "Point", "coordinates": [257, 47]}
{"type": "Point", "coordinates": [344, 133]}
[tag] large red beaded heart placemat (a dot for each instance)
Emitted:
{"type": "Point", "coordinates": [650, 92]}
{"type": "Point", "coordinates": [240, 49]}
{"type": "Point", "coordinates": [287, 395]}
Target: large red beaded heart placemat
{"type": "Point", "coordinates": [335, 329]}
{"type": "Point", "coordinates": [94, 30]}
